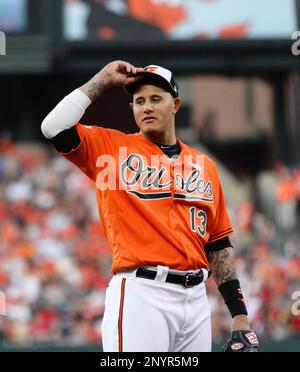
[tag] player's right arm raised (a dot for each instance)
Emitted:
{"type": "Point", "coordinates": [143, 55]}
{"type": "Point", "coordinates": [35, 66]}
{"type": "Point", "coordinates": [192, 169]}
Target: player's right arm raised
{"type": "Point", "coordinates": [113, 74]}
{"type": "Point", "coordinates": [59, 124]}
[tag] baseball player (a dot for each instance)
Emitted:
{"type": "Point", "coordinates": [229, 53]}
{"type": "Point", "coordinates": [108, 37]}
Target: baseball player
{"type": "Point", "coordinates": [164, 214]}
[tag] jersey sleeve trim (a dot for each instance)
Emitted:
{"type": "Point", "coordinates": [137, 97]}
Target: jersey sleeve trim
{"type": "Point", "coordinates": [220, 235]}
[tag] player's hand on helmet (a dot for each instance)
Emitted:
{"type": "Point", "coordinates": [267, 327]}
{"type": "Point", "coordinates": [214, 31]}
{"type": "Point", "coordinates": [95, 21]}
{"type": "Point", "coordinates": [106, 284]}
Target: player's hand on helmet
{"type": "Point", "coordinates": [114, 74]}
{"type": "Point", "coordinates": [118, 73]}
{"type": "Point", "coordinates": [244, 341]}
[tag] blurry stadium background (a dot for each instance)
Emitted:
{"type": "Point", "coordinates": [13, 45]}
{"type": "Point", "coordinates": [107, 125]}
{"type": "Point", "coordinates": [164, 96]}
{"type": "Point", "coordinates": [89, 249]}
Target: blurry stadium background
{"type": "Point", "coordinates": [240, 85]}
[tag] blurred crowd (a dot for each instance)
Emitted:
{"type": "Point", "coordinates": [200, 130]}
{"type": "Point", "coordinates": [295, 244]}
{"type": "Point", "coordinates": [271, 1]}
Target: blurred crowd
{"type": "Point", "coordinates": [287, 195]}
{"type": "Point", "coordinates": [55, 261]}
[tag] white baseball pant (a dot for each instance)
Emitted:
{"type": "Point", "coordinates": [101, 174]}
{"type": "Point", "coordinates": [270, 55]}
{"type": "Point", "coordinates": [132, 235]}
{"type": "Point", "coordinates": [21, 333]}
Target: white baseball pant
{"type": "Point", "coordinates": [144, 315]}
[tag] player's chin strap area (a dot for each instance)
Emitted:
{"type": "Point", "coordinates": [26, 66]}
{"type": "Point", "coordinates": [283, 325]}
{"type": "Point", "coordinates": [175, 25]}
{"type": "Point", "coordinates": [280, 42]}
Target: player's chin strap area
{"type": "Point", "coordinates": [186, 279]}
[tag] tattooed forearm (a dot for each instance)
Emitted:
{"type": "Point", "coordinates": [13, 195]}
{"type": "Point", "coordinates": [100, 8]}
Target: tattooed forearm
{"type": "Point", "coordinates": [93, 88]}
{"type": "Point", "coordinates": [222, 265]}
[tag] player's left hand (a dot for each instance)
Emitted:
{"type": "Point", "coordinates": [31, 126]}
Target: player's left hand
{"type": "Point", "coordinates": [244, 341]}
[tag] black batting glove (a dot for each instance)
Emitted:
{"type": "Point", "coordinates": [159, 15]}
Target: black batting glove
{"type": "Point", "coordinates": [242, 341]}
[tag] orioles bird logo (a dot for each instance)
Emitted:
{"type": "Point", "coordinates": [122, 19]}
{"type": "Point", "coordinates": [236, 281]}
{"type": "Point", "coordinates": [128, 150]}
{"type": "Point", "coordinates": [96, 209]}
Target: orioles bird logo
{"type": "Point", "coordinates": [151, 69]}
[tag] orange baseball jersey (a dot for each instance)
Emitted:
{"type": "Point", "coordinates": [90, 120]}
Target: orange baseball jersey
{"type": "Point", "coordinates": [155, 210]}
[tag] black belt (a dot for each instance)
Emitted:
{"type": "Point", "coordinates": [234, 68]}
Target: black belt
{"type": "Point", "coordinates": [187, 280]}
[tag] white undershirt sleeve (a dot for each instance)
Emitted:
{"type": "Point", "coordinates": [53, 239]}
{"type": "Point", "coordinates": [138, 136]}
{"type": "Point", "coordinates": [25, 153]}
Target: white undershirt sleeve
{"type": "Point", "coordinates": [66, 114]}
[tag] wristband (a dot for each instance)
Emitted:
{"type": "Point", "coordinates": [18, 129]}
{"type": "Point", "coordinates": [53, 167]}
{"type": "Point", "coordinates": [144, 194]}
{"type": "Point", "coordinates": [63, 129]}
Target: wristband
{"type": "Point", "coordinates": [233, 297]}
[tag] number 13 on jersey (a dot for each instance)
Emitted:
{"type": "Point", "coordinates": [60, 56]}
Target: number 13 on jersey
{"type": "Point", "coordinates": [198, 221]}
